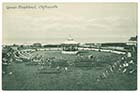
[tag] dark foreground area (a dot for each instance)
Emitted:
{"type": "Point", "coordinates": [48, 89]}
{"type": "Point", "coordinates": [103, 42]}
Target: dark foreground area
{"type": "Point", "coordinates": [99, 76]}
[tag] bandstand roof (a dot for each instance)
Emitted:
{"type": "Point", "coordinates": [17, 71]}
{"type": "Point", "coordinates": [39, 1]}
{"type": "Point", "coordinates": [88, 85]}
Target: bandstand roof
{"type": "Point", "coordinates": [70, 41]}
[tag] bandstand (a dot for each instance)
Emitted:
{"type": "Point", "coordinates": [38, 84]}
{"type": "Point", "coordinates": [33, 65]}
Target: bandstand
{"type": "Point", "coordinates": [70, 46]}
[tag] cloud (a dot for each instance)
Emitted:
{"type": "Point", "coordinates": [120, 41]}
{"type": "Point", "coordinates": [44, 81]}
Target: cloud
{"type": "Point", "coordinates": [60, 26]}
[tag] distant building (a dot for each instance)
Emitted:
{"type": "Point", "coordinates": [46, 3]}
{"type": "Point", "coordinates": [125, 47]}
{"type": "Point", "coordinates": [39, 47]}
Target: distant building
{"type": "Point", "coordinates": [89, 45]}
{"type": "Point", "coordinates": [98, 45]}
{"type": "Point", "coordinates": [14, 47]}
{"type": "Point", "coordinates": [37, 45]}
{"type": "Point", "coordinates": [132, 41]}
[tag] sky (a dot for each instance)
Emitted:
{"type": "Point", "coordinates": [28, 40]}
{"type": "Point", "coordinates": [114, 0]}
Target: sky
{"type": "Point", "coordinates": [85, 22]}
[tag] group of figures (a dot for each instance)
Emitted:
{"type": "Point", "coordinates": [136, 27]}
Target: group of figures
{"type": "Point", "coordinates": [46, 64]}
{"type": "Point", "coordinates": [7, 59]}
{"type": "Point", "coordinates": [127, 64]}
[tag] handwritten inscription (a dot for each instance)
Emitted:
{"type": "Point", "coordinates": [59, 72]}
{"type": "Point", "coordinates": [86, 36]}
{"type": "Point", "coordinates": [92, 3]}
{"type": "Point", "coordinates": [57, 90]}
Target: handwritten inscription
{"type": "Point", "coordinates": [42, 7]}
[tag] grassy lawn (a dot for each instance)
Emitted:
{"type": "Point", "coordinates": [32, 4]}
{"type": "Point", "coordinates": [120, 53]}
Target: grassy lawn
{"type": "Point", "coordinates": [76, 78]}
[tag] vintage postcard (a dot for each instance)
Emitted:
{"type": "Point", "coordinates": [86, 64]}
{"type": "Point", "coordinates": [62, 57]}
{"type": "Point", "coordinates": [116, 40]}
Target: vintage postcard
{"type": "Point", "coordinates": [69, 46]}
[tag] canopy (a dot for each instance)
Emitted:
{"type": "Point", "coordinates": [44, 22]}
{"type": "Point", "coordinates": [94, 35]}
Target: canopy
{"type": "Point", "coordinates": [70, 41]}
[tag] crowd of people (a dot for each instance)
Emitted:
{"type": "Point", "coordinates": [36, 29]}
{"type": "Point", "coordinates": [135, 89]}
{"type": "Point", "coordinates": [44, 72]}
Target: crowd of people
{"type": "Point", "coordinates": [7, 59]}
{"type": "Point", "coordinates": [30, 58]}
{"type": "Point", "coordinates": [126, 65]}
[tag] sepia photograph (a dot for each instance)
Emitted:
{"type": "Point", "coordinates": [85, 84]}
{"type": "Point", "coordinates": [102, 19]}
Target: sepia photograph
{"type": "Point", "coordinates": [69, 46]}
